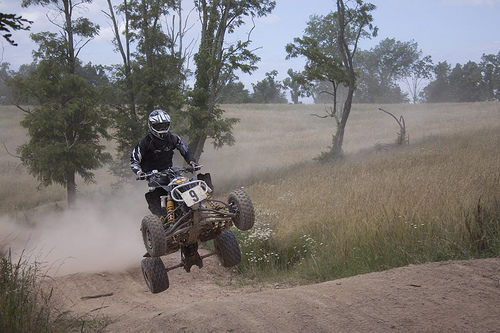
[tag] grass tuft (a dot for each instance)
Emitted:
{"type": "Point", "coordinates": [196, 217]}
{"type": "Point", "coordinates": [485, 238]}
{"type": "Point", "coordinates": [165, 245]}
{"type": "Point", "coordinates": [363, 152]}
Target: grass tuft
{"type": "Point", "coordinates": [24, 306]}
{"type": "Point", "coordinates": [483, 227]}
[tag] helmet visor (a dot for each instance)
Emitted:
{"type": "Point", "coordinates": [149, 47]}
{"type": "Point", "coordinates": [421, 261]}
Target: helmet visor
{"type": "Point", "coordinates": [161, 126]}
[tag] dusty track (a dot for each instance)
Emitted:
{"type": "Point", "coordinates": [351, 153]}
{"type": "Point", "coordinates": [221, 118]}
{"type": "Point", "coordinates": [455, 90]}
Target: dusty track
{"type": "Point", "coordinates": [452, 296]}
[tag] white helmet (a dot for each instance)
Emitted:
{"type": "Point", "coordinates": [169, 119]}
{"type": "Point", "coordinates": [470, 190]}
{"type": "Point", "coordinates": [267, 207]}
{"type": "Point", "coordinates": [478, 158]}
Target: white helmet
{"type": "Point", "coordinates": [159, 123]}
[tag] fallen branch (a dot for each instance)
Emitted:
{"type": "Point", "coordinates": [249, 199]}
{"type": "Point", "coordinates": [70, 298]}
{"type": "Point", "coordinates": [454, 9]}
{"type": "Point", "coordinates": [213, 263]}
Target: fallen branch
{"type": "Point", "coordinates": [97, 296]}
{"type": "Point", "coordinates": [403, 138]}
{"type": "Point", "coordinates": [314, 114]}
{"type": "Point", "coordinates": [100, 308]}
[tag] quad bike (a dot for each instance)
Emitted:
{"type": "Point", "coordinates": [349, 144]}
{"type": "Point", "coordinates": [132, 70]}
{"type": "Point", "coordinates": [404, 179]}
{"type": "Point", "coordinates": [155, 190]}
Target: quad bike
{"type": "Point", "coordinates": [185, 213]}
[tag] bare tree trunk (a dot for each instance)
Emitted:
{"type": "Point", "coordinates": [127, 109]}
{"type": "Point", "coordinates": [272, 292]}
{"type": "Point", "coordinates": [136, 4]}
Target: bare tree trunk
{"type": "Point", "coordinates": [199, 147]}
{"type": "Point", "coordinates": [346, 23]}
{"type": "Point", "coordinates": [347, 60]}
{"type": "Point", "coordinates": [68, 9]}
{"type": "Point", "coordinates": [125, 53]}
{"type": "Point", "coordinates": [70, 187]}
{"type": "Point", "coordinates": [339, 136]}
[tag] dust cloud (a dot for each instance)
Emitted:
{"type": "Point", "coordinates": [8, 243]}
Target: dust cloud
{"type": "Point", "coordinates": [99, 234]}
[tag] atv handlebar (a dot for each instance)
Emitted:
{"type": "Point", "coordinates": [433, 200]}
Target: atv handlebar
{"type": "Point", "coordinates": [168, 172]}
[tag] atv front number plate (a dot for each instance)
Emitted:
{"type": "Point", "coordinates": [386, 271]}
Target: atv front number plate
{"type": "Point", "coordinates": [194, 196]}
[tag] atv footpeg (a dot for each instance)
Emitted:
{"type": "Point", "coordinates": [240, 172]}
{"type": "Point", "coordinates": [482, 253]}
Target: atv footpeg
{"type": "Point", "coordinates": [190, 257]}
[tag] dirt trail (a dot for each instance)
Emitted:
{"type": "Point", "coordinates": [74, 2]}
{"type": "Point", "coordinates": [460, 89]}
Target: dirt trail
{"type": "Point", "coordinates": [452, 296]}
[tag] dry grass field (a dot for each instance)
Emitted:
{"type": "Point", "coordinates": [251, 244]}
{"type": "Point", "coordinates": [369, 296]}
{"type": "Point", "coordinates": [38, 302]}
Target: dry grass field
{"type": "Point", "coordinates": [270, 138]}
{"type": "Point", "coordinates": [378, 210]}
{"type": "Point", "coordinates": [374, 210]}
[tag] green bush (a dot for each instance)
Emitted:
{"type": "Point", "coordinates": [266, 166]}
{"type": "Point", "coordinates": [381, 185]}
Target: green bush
{"type": "Point", "coordinates": [24, 307]}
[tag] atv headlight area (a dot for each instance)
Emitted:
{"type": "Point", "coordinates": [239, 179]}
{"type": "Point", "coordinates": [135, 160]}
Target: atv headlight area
{"type": "Point", "coordinates": [191, 193]}
{"type": "Point", "coordinates": [177, 181]}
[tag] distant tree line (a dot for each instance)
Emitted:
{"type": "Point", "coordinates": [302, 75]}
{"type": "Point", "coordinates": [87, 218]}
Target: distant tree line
{"type": "Point", "coordinates": [392, 72]}
{"type": "Point", "coordinates": [471, 82]}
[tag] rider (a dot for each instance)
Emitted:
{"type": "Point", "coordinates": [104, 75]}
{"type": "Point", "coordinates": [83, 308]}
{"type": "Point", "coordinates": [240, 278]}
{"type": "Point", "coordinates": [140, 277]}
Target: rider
{"type": "Point", "coordinates": [156, 150]}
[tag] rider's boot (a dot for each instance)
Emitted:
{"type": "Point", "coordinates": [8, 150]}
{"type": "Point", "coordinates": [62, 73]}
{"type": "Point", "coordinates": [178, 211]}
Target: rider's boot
{"type": "Point", "coordinates": [190, 257]}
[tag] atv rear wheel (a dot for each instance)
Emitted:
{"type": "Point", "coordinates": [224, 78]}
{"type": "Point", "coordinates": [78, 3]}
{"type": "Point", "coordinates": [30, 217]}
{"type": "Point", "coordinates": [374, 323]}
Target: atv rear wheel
{"type": "Point", "coordinates": [240, 203]}
{"type": "Point", "coordinates": [153, 235]}
{"type": "Point", "coordinates": [155, 274]}
{"type": "Point", "coordinates": [227, 249]}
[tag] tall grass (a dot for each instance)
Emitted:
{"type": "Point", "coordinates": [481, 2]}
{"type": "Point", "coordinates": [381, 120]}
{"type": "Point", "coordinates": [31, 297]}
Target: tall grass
{"type": "Point", "coordinates": [435, 200]}
{"type": "Point", "coordinates": [24, 306]}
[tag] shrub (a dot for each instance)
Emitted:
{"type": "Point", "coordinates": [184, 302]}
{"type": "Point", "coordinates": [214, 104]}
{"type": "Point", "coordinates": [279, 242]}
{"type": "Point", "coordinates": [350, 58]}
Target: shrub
{"type": "Point", "coordinates": [24, 307]}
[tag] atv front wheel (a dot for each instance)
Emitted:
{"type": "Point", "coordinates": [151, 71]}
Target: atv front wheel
{"type": "Point", "coordinates": [227, 249]}
{"type": "Point", "coordinates": [153, 235]}
{"type": "Point", "coordinates": [155, 274]}
{"type": "Point", "coordinates": [240, 203]}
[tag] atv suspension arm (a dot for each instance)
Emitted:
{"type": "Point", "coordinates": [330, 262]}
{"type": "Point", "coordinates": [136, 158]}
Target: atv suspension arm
{"type": "Point", "coordinates": [183, 264]}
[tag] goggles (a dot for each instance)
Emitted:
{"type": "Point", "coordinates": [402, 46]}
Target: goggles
{"type": "Point", "coordinates": [161, 126]}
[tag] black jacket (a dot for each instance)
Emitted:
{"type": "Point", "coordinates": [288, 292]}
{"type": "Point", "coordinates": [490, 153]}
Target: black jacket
{"type": "Point", "coordinates": [152, 153]}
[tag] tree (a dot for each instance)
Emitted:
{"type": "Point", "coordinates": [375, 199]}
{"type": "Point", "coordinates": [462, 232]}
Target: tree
{"type": "Point", "coordinates": [268, 91]}
{"type": "Point", "coordinates": [66, 122]}
{"type": "Point", "coordinates": [466, 83]}
{"type": "Point", "coordinates": [234, 93]}
{"type": "Point", "coordinates": [65, 128]}
{"type": "Point", "coordinates": [7, 75]}
{"type": "Point", "coordinates": [215, 60]}
{"type": "Point", "coordinates": [353, 21]}
{"type": "Point", "coordinates": [438, 90]}
{"type": "Point", "coordinates": [382, 67]}
{"type": "Point", "coordinates": [14, 22]}
{"type": "Point", "coordinates": [330, 45]}
{"type": "Point", "coordinates": [151, 76]}
{"type": "Point", "coordinates": [5, 92]}
{"type": "Point", "coordinates": [471, 82]}
{"type": "Point", "coordinates": [420, 72]}
{"type": "Point", "coordinates": [491, 75]}
{"type": "Point", "coordinates": [324, 63]}
{"type": "Point", "coordinates": [157, 71]}
{"type": "Point", "coordinates": [298, 85]}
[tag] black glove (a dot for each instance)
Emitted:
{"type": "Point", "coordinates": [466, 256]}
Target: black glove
{"type": "Point", "coordinates": [195, 166]}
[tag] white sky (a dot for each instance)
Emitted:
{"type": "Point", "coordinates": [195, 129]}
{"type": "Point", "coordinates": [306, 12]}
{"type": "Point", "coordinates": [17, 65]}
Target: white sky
{"type": "Point", "coordinates": [453, 30]}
